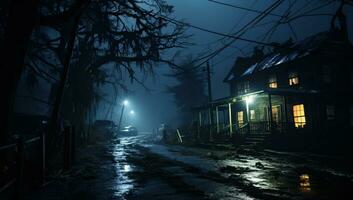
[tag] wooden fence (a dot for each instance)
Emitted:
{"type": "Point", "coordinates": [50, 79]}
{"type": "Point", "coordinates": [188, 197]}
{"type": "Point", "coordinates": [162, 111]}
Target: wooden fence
{"type": "Point", "coordinates": [22, 147]}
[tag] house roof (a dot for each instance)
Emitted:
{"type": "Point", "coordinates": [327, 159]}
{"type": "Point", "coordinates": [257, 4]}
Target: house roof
{"type": "Point", "coordinates": [289, 53]}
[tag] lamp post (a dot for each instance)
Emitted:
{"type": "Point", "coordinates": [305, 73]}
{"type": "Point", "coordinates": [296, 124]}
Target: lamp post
{"type": "Point", "coordinates": [125, 103]}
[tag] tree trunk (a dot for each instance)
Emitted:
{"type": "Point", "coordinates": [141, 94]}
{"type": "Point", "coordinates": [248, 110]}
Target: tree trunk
{"type": "Point", "coordinates": [54, 125]}
{"type": "Point", "coordinates": [22, 17]}
{"type": "Point", "coordinates": [342, 20]}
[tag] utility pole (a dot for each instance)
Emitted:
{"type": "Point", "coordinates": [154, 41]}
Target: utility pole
{"type": "Point", "coordinates": [209, 82]}
{"type": "Point", "coordinates": [121, 117]}
{"type": "Point", "coordinates": [210, 99]}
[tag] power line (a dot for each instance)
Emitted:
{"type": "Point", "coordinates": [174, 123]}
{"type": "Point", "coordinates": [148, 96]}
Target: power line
{"type": "Point", "coordinates": [233, 28]}
{"type": "Point", "coordinates": [243, 8]}
{"type": "Point", "coordinates": [236, 36]}
{"type": "Point", "coordinates": [217, 33]}
{"type": "Point", "coordinates": [240, 32]}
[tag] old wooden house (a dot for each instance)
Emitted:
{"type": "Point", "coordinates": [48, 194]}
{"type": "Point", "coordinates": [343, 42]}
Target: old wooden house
{"type": "Point", "coordinates": [305, 87]}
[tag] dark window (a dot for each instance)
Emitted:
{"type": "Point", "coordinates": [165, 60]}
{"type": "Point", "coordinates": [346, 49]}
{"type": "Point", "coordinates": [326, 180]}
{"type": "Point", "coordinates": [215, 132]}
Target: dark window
{"type": "Point", "coordinates": [326, 74]}
{"type": "Point", "coordinates": [243, 87]}
{"type": "Point", "coordinates": [330, 112]}
{"type": "Point", "coordinates": [246, 86]}
{"type": "Point", "coordinates": [240, 88]}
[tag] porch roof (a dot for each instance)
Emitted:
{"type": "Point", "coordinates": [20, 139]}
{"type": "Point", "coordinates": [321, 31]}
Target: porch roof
{"type": "Point", "coordinates": [272, 91]}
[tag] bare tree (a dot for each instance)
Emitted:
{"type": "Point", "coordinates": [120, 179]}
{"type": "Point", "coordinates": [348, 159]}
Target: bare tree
{"type": "Point", "coordinates": [128, 35]}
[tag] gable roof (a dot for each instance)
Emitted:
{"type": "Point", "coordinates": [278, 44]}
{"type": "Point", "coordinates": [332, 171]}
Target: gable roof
{"type": "Point", "coordinates": [292, 52]}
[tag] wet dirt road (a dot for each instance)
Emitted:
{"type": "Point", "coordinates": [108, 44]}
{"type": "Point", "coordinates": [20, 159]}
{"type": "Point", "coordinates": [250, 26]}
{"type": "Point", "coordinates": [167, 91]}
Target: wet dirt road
{"type": "Point", "coordinates": [138, 168]}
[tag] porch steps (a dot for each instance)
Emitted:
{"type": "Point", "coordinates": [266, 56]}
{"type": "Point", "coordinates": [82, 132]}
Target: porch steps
{"type": "Point", "coordinates": [253, 140]}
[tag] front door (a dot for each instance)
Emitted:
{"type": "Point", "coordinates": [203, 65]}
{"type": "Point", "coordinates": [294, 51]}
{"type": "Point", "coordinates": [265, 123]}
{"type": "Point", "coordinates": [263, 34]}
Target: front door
{"type": "Point", "coordinates": [276, 111]}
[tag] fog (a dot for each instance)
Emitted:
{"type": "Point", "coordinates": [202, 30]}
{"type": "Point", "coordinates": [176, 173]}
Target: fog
{"type": "Point", "coordinates": [153, 105]}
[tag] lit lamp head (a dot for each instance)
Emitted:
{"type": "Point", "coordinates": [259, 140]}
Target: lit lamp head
{"type": "Point", "coordinates": [132, 112]}
{"type": "Point", "coordinates": [125, 102]}
{"type": "Point", "coordinates": [249, 99]}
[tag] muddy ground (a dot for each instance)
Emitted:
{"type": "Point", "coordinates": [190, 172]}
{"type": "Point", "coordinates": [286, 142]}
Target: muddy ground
{"type": "Point", "coordinates": [141, 168]}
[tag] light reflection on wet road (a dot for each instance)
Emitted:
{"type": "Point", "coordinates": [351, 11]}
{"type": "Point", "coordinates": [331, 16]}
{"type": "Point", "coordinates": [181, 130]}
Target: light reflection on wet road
{"type": "Point", "coordinates": [278, 176]}
{"type": "Point", "coordinates": [122, 184]}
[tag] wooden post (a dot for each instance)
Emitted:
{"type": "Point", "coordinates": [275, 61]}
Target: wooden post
{"type": "Point", "coordinates": [270, 112]}
{"type": "Point", "coordinates": [217, 119]}
{"type": "Point", "coordinates": [285, 125]}
{"type": "Point", "coordinates": [179, 136]}
{"type": "Point", "coordinates": [67, 148]}
{"type": "Point", "coordinates": [19, 168]}
{"type": "Point", "coordinates": [210, 123]}
{"type": "Point", "coordinates": [73, 144]}
{"type": "Point", "coordinates": [230, 119]}
{"type": "Point", "coordinates": [200, 125]}
{"type": "Point", "coordinates": [42, 159]}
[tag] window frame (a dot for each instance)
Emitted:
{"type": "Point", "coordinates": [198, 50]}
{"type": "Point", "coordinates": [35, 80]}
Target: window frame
{"type": "Point", "coordinates": [293, 79]}
{"type": "Point", "coordinates": [252, 113]}
{"type": "Point", "coordinates": [299, 116]}
{"type": "Point", "coordinates": [272, 82]}
{"type": "Point", "coordinates": [246, 86]}
{"type": "Point", "coordinates": [330, 112]}
{"type": "Point", "coordinates": [326, 74]}
{"type": "Point", "coordinates": [240, 122]}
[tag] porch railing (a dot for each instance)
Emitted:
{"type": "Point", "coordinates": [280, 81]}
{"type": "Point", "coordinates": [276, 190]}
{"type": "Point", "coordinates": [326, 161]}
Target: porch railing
{"type": "Point", "coordinates": [262, 126]}
{"type": "Point", "coordinates": [250, 128]}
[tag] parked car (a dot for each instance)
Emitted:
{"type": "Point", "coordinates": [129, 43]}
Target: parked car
{"type": "Point", "coordinates": [128, 131]}
{"type": "Point", "coordinates": [105, 126]}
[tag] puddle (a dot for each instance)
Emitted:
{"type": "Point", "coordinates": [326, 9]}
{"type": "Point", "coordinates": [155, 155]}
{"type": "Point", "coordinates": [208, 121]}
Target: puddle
{"type": "Point", "coordinates": [122, 183]}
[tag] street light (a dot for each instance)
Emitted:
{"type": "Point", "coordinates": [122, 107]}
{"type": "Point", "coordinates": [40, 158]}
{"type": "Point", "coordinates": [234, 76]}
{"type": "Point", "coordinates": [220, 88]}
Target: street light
{"type": "Point", "coordinates": [125, 102]}
{"type": "Point", "coordinates": [132, 112]}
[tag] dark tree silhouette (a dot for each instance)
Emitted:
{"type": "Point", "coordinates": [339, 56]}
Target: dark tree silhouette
{"type": "Point", "coordinates": [128, 35]}
{"type": "Point", "coordinates": [190, 91]}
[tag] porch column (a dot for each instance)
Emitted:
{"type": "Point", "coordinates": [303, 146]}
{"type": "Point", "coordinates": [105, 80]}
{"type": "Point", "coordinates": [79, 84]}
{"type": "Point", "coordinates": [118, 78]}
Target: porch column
{"type": "Point", "coordinates": [247, 112]}
{"type": "Point", "coordinates": [285, 125]}
{"type": "Point", "coordinates": [270, 111]}
{"type": "Point", "coordinates": [200, 118]}
{"type": "Point", "coordinates": [200, 125]}
{"type": "Point", "coordinates": [210, 122]}
{"type": "Point", "coordinates": [217, 119]}
{"type": "Point", "coordinates": [230, 119]}
{"type": "Point", "coordinates": [285, 108]}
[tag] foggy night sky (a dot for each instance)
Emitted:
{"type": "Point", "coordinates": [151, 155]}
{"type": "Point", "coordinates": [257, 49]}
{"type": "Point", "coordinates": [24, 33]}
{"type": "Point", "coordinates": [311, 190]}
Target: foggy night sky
{"type": "Point", "coordinates": [156, 106]}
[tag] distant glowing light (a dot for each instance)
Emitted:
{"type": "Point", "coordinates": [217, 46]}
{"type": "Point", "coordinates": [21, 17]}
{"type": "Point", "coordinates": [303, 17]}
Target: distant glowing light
{"type": "Point", "coordinates": [304, 182]}
{"type": "Point", "coordinates": [132, 112]}
{"type": "Point", "coordinates": [125, 102]}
